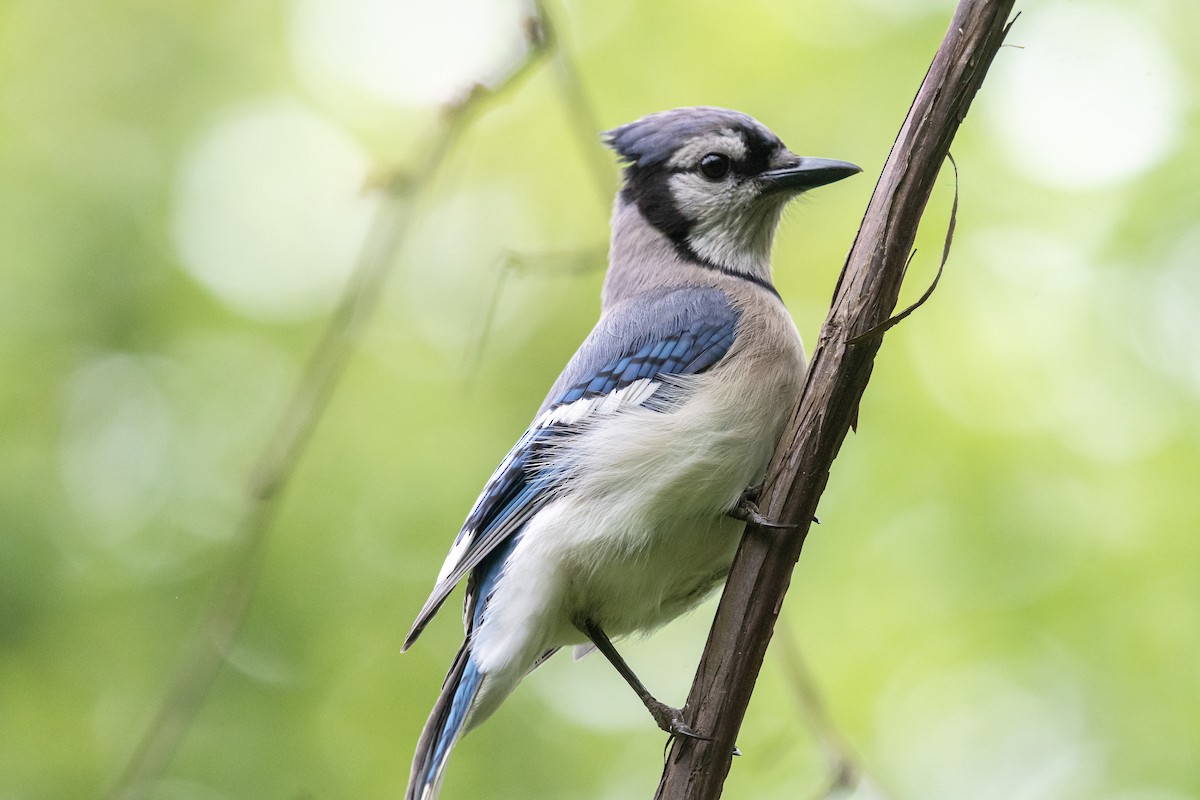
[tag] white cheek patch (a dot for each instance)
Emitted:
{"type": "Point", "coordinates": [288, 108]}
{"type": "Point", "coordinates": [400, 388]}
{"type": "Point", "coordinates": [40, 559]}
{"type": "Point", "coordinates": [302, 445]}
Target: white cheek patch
{"type": "Point", "coordinates": [725, 142]}
{"type": "Point", "coordinates": [731, 226]}
{"type": "Point", "coordinates": [700, 199]}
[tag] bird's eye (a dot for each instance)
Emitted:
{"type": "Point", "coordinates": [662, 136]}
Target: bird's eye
{"type": "Point", "coordinates": [714, 166]}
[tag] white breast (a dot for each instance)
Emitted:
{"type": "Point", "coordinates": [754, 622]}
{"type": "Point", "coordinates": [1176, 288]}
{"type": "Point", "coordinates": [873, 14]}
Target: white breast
{"type": "Point", "coordinates": [643, 531]}
{"type": "Point", "coordinates": [640, 535]}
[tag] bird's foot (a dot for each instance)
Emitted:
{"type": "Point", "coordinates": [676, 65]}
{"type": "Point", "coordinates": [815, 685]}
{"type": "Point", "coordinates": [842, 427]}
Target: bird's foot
{"type": "Point", "coordinates": [671, 720]}
{"type": "Point", "coordinates": [747, 510]}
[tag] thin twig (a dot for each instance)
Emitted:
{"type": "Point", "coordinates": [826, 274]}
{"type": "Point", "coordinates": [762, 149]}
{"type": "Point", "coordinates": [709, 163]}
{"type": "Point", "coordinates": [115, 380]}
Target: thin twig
{"type": "Point", "coordinates": [585, 124]}
{"type": "Point", "coordinates": [843, 768]}
{"type": "Point", "coordinates": [204, 652]}
{"type": "Point", "coordinates": [879, 330]}
{"type": "Point", "coordinates": [552, 265]}
{"type": "Point", "coordinates": [866, 294]}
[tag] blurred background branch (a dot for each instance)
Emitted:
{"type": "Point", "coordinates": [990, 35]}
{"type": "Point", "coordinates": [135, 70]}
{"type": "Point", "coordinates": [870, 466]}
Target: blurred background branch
{"type": "Point", "coordinates": [570, 263]}
{"type": "Point", "coordinates": [845, 774]}
{"type": "Point", "coordinates": [219, 624]}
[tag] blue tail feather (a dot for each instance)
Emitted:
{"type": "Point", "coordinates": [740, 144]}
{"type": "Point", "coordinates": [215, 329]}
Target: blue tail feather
{"type": "Point", "coordinates": [468, 687]}
{"type": "Point", "coordinates": [444, 727]}
{"type": "Point", "coordinates": [447, 722]}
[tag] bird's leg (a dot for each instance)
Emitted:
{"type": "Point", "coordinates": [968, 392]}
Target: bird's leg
{"type": "Point", "coordinates": [668, 718]}
{"type": "Point", "coordinates": [746, 510]}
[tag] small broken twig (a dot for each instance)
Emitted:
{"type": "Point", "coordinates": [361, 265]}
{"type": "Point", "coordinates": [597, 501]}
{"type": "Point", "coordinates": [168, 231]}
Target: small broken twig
{"type": "Point", "coordinates": [879, 330]}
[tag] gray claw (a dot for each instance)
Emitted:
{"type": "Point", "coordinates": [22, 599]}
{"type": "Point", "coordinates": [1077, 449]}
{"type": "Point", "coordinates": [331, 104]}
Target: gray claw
{"type": "Point", "coordinates": [671, 720]}
{"type": "Point", "coordinates": [747, 511]}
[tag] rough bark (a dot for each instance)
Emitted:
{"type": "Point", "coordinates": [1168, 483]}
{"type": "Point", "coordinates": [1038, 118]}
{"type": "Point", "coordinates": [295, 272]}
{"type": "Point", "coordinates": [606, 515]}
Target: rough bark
{"type": "Point", "coordinates": [865, 296]}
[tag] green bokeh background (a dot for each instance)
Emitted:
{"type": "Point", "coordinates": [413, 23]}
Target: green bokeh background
{"type": "Point", "coordinates": [1002, 600]}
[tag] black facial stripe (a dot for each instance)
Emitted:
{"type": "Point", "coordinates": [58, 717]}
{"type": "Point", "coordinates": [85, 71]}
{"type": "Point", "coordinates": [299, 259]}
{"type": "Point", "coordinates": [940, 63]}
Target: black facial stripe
{"type": "Point", "coordinates": [654, 201]}
{"type": "Point", "coordinates": [759, 149]}
{"type": "Point", "coordinates": [650, 190]}
{"type": "Point", "coordinates": [688, 254]}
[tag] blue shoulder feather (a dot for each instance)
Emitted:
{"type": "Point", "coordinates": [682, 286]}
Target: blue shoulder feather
{"type": "Point", "coordinates": [679, 332]}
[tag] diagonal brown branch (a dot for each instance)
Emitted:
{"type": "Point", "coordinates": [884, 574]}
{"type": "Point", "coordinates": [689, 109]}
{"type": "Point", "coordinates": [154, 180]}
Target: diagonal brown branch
{"type": "Point", "coordinates": [202, 656]}
{"type": "Point", "coordinates": [865, 296]}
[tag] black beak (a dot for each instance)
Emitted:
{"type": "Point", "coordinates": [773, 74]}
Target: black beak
{"type": "Point", "coordinates": [807, 173]}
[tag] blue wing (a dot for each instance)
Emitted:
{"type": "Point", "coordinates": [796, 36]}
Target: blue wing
{"type": "Point", "coordinates": [683, 332]}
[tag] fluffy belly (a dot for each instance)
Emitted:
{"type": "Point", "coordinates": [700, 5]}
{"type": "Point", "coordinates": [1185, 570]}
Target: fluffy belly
{"type": "Point", "coordinates": [639, 534]}
{"type": "Point", "coordinates": [630, 579]}
{"type": "Point", "coordinates": [578, 561]}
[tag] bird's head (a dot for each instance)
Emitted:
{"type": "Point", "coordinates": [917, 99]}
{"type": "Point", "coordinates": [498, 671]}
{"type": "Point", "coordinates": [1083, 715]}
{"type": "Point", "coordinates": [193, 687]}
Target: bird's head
{"type": "Point", "coordinates": [714, 182]}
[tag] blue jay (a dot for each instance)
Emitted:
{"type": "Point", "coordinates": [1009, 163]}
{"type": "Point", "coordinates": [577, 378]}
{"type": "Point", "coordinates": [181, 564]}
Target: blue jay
{"type": "Point", "coordinates": [622, 504]}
